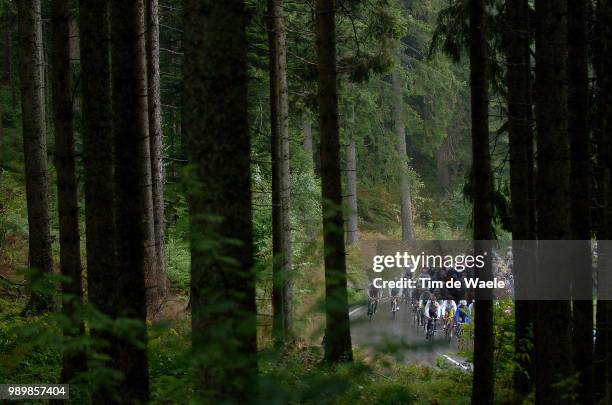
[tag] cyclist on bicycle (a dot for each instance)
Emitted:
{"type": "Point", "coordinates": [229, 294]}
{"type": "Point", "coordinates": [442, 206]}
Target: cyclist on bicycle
{"type": "Point", "coordinates": [432, 311]}
{"type": "Point", "coordinates": [449, 307]}
{"type": "Point", "coordinates": [395, 294]}
{"type": "Point", "coordinates": [373, 297]}
{"type": "Point", "coordinates": [462, 314]}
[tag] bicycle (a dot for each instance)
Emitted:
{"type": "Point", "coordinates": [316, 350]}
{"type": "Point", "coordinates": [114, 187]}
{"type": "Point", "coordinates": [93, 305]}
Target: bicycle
{"type": "Point", "coordinates": [416, 314]}
{"type": "Point", "coordinates": [431, 328]}
{"type": "Point", "coordinates": [372, 306]}
{"type": "Point", "coordinates": [394, 306]}
{"type": "Point", "coordinates": [459, 334]}
{"type": "Point", "coordinates": [448, 329]}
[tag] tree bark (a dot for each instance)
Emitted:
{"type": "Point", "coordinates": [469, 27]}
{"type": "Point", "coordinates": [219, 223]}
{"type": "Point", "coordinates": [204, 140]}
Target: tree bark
{"type": "Point", "coordinates": [552, 361]}
{"type": "Point", "coordinates": [98, 165]}
{"type": "Point", "coordinates": [281, 180]}
{"type": "Point", "coordinates": [35, 154]}
{"type": "Point", "coordinates": [400, 131]}
{"type": "Point", "coordinates": [153, 288]}
{"type": "Point", "coordinates": [520, 133]}
{"type": "Point", "coordinates": [155, 143]}
{"type": "Point", "coordinates": [73, 362]}
{"type": "Point", "coordinates": [222, 290]}
{"type": "Point", "coordinates": [580, 197]}
{"type": "Point", "coordinates": [307, 144]}
{"type": "Point", "coordinates": [602, 176]}
{"type": "Point", "coordinates": [132, 189]}
{"type": "Point", "coordinates": [352, 229]}
{"type": "Point", "coordinates": [604, 276]}
{"type": "Point", "coordinates": [337, 325]}
{"type": "Point", "coordinates": [482, 187]}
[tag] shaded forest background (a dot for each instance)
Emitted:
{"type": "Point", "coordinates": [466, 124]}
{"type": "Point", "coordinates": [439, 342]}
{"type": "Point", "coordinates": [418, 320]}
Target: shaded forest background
{"type": "Point", "coordinates": [198, 255]}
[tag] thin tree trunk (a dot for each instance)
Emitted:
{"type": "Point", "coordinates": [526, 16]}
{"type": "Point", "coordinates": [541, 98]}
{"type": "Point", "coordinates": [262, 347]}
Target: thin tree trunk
{"type": "Point", "coordinates": [604, 276]}
{"type": "Point", "coordinates": [35, 151]}
{"type": "Point", "coordinates": [580, 198]}
{"type": "Point", "coordinates": [602, 175]}
{"type": "Point", "coordinates": [552, 360]}
{"type": "Point", "coordinates": [281, 180]}
{"type": "Point", "coordinates": [601, 128]}
{"type": "Point", "coordinates": [337, 326]}
{"type": "Point", "coordinates": [132, 189]}
{"type": "Point", "coordinates": [73, 362]}
{"type": "Point", "coordinates": [152, 275]}
{"type": "Point", "coordinates": [352, 229]}
{"type": "Point", "coordinates": [400, 131]}
{"type": "Point", "coordinates": [222, 291]}
{"type": "Point", "coordinates": [307, 144]}
{"type": "Point", "coordinates": [520, 133]}
{"type": "Point", "coordinates": [482, 187]}
{"type": "Point", "coordinates": [98, 165]}
{"type": "Point", "coordinates": [156, 141]}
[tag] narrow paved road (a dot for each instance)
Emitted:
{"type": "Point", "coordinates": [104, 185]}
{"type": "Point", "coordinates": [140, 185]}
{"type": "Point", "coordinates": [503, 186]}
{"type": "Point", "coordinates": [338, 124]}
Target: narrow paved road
{"type": "Point", "coordinates": [409, 340]}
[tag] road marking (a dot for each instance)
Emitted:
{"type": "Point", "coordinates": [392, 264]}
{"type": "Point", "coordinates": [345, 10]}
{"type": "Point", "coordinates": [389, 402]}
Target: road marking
{"type": "Point", "coordinates": [464, 367]}
{"type": "Point", "coordinates": [355, 310]}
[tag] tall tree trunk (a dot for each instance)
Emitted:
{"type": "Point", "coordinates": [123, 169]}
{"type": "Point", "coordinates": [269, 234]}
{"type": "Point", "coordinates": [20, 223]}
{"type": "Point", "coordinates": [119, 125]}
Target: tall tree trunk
{"type": "Point", "coordinates": [155, 143]}
{"type": "Point", "coordinates": [98, 165]}
{"type": "Point", "coordinates": [337, 326]}
{"type": "Point", "coordinates": [67, 197]}
{"type": "Point", "coordinates": [602, 46]}
{"type": "Point", "coordinates": [552, 360]}
{"type": "Point", "coordinates": [281, 180]}
{"type": "Point", "coordinates": [222, 291]}
{"type": "Point", "coordinates": [152, 275]}
{"type": "Point", "coordinates": [35, 154]}
{"type": "Point", "coordinates": [580, 198]}
{"type": "Point", "coordinates": [602, 176]}
{"type": "Point", "coordinates": [482, 187]}
{"type": "Point", "coordinates": [604, 276]}
{"type": "Point", "coordinates": [520, 131]}
{"type": "Point", "coordinates": [352, 229]}
{"type": "Point", "coordinates": [400, 131]}
{"type": "Point", "coordinates": [132, 180]}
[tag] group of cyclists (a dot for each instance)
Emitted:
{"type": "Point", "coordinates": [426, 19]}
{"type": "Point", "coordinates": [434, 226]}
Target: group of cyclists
{"type": "Point", "coordinates": [432, 313]}
{"type": "Point", "coordinates": [428, 312]}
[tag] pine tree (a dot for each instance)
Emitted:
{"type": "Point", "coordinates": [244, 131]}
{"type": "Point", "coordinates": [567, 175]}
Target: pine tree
{"type": "Point", "coordinates": [130, 130]}
{"type": "Point", "coordinates": [337, 324]}
{"type": "Point", "coordinates": [482, 187]}
{"type": "Point", "coordinates": [219, 145]}
{"type": "Point", "coordinates": [35, 153]}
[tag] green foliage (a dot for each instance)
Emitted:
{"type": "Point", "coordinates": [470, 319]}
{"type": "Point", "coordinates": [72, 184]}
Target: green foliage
{"type": "Point", "coordinates": [178, 261]}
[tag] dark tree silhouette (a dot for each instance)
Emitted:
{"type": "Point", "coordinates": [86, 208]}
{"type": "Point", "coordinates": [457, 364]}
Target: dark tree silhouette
{"type": "Point", "coordinates": [520, 133]}
{"type": "Point", "coordinates": [482, 187]}
{"type": "Point", "coordinates": [222, 278]}
{"type": "Point", "coordinates": [98, 165]}
{"type": "Point", "coordinates": [580, 197]}
{"type": "Point", "coordinates": [337, 325]}
{"type": "Point", "coordinates": [552, 360]}
{"type": "Point", "coordinates": [130, 126]}
{"type": "Point", "coordinates": [68, 203]}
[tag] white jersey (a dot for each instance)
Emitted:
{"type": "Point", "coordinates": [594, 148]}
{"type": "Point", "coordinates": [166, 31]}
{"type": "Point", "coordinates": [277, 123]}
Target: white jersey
{"type": "Point", "coordinates": [436, 308]}
{"type": "Point", "coordinates": [447, 305]}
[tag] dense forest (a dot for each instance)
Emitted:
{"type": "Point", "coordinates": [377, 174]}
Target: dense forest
{"type": "Point", "coordinates": [188, 189]}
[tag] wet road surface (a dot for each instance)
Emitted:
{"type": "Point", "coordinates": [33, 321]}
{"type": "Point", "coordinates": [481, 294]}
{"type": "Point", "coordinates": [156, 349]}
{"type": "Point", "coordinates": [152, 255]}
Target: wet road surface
{"type": "Point", "coordinates": [400, 336]}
